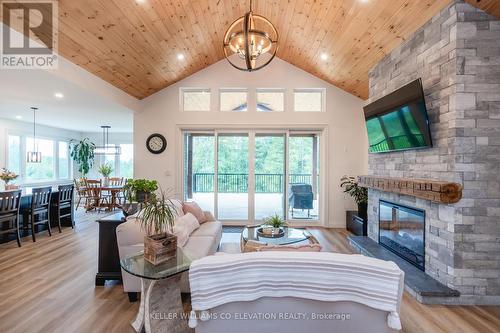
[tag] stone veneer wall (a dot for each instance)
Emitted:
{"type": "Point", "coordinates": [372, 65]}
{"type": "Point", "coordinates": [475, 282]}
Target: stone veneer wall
{"type": "Point", "coordinates": [457, 55]}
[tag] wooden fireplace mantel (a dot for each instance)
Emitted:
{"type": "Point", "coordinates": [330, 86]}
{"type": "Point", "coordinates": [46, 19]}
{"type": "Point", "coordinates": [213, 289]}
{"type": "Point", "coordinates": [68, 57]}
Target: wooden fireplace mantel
{"type": "Point", "coordinates": [429, 189]}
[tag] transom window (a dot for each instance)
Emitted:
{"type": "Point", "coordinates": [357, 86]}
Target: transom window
{"type": "Point", "coordinates": [195, 99]}
{"type": "Point", "coordinates": [309, 100]}
{"type": "Point", "coordinates": [234, 100]}
{"type": "Point", "coordinates": [270, 100]}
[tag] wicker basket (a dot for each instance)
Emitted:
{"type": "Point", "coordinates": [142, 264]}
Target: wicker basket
{"type": "Point", "coordinates": [160, 248]}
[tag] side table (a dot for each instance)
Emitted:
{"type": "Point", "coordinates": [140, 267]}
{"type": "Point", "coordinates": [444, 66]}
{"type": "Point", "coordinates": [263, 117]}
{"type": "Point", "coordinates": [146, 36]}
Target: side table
{"type": "Point", "coordinates": [161, 304]}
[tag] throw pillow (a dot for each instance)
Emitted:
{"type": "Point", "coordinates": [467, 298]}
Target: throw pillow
{"type": "Point", "coordinates": [184, 227]}
{"type": "Point", "coordinates": [193, 208]}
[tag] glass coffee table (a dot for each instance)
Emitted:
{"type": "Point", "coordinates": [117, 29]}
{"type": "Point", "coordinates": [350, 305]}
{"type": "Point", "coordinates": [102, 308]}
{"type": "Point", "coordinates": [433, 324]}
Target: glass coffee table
{"type": "Point", "coordinates": [291, 236]}
{"type": "Point", "coordinates": [161, 305]}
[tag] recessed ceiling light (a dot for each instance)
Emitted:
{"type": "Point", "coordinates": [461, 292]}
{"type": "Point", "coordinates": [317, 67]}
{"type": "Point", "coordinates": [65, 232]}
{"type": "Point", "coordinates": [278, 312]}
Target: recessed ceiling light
{"type": "Point", "coordinates": [19, 117]}
{"type": "Point", "coordinates": [364, 1]}
{"type": "Point", "coordinates": [180, 56]}
{"type": "Point", "coordinates": [324, 56]}
{"type": "Point", "coordinates": [140, 1]}
{"type": "Point", "coordinates": [58, 95]}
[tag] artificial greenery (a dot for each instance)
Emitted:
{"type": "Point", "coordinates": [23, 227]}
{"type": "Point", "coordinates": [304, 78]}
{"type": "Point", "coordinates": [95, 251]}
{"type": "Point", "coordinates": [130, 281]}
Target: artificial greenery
{"type": "Point", "coordinates": [82, 152]}
{"type": "Point", "coordinates": [158, 214]}
{"type": "Point", "coordinates": [105, 170]}
{"type": "Point", "coordinates": [351, 187]}
{"type": "Point", "coordinates": [135, 186]}
{"type": "Point", "coordinates": [274, 221]}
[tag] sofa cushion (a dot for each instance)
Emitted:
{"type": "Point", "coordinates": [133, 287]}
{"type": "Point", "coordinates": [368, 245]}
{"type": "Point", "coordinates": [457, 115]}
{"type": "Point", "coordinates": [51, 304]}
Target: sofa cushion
{"type": "Point", "coordinates": [199, 247]}
{"type": "Point", "coordinates": [193, 208]}
{"type": "Point", "coordinates": [183, 227]}
{"type": "Point", "coordinates": [178, 207]}
{"type": "Point", "coordinates": [208, 229]}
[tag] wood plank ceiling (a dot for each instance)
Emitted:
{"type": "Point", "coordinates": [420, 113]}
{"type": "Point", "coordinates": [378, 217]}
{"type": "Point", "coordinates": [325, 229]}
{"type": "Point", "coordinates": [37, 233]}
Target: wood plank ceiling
{"type": "Point", "coordinates": [133, 44]}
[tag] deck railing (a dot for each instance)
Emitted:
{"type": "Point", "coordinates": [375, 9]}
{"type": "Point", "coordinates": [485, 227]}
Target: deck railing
{"type": "Point", "coordinates": [238, 182]}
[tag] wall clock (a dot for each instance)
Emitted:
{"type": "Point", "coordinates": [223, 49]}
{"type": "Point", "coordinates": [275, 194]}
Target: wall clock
{"type": "Point", "coordinates": [156, 143]}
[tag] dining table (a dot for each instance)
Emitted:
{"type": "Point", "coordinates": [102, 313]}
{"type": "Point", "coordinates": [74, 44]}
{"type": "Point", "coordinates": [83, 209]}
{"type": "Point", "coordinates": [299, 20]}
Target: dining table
{"type": "Point", "coordinates": [100, 193]}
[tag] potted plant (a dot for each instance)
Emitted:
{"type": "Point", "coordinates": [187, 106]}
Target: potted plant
{"type": "Point", "coordinates": [273, 225]}
{"type": "Point", "coordinates": [360, 194]}
{"type": "Point", "coordinates": [140, 190]}
{"type": "Point", "coordinates": [82, 152]}
{"type": "Point", "coordinates": [157, 217]}
{"type": "Point", "coordinates": [105, 170]}
{"type": "Point", "coordinates": [8, 176]}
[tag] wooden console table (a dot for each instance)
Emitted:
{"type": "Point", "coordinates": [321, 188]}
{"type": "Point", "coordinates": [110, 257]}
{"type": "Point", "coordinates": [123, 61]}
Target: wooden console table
{"type": "Point", "coordinates": [429, 189]}
{"type": "Point", "coordinates": [108, 261]}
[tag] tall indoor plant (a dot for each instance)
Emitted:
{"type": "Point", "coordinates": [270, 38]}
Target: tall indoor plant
{"type": "Point", "coordinates": [82, 152]}
{"type": "Point", "coordinates": [157, 217]}
{"type": "Point", "coordinates": [358, 193]}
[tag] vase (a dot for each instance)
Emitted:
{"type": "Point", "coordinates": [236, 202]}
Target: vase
{"type": "Point", "coordinates": [142, 196]}
{"type": "Point", "coordinates": [160, 248]}
{"type": "Point", "coordinates": [105, 182]}
{"type": "Point", "coordinates": [363, 211]}
{"type": "Point", "coordinates": [11, 187]}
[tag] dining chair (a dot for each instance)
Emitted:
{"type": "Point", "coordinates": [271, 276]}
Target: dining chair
{"type": "Point", "coordinates": [9, 213]}
{"type": "Point", "coordinates": [63, 206]}
{"type": "Point", "coordinates": [80, 191]}
{"type": "Point", "coordinates": [94, 198]}
{"type": "Point", "coordinates": [38, 213]}
{"type": "Point", "coordinates": [118, 181]}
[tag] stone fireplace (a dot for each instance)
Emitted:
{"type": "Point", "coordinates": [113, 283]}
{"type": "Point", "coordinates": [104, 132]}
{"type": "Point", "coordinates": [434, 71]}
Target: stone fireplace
{"type": "Point", "coordinates": [457, 55]}
{"type": "Point", "coordinates": [402, 230]}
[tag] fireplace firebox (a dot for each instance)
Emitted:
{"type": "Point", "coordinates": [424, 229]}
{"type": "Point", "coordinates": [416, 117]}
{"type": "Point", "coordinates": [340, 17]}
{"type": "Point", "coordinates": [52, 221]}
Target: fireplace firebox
{"type": "Point", "coordinates": [402, 230]}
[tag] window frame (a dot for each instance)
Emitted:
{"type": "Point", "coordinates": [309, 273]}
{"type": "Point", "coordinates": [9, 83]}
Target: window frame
{"type": "Point", "coordinates": [22, 180]}
{"type": "Point", "coordinates": [310, 90]}
{"type": "Point", "coordinates": [270, 90]}
{"type": "Point", "coordinates": [183, 90]}
{"type": "Point", "coordinates": [320, 130]}
{"type": "Point", "coordinates": [229, 90]}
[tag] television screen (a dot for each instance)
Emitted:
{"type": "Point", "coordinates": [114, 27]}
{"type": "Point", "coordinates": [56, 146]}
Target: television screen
{"type": "Point", "coordinates": [398, 121]}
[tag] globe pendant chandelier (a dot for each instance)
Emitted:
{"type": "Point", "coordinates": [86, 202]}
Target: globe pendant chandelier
{"type": "Point", "coordinates": [251, 42]}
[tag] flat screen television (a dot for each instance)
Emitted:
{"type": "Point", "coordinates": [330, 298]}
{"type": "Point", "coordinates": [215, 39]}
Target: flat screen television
{"type": "Point", "coordinates": [399, 121]}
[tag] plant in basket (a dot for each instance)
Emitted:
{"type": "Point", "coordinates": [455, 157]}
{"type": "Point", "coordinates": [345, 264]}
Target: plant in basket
{"type": "Point", "coordinates": [157, 217]}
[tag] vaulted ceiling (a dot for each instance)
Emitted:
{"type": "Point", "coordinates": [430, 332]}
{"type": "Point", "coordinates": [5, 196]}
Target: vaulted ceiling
{"type": "Point", "coordinates": [133, 44]}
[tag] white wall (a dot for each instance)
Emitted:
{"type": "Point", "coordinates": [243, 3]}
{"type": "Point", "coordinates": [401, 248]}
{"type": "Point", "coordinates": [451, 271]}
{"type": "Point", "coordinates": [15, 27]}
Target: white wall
{"type": "Point", "coordinates": [347, 142]}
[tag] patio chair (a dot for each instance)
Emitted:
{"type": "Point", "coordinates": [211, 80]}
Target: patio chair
{"type": "Point", "coordinates": [300, 196]}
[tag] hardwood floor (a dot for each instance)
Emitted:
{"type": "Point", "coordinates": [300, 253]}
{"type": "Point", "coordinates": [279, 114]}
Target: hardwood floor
{"type": "Point", "coordinates": [48, 286]}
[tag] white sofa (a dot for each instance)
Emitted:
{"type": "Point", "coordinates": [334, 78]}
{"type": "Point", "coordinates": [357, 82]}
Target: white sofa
{"type": "Point", "coordinates": [202, 242]}
{"type": "Point", "coordinates": [295, 292]}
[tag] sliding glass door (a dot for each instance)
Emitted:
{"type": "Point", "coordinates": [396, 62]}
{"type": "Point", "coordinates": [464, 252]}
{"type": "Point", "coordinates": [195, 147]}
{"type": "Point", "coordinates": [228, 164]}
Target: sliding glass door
{"type": "Point", "coordinates": [232, 176]}
{"type": "Point", "coordinates": [269, 175]}
{"type": "Point", "coordinates": [249, 175]}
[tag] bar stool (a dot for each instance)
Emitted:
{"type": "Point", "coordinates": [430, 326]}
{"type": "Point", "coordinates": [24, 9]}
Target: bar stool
{"type": "Point", "coordinates": [40, 206]}
{"type": "Point", "coordinates": [9, 213]}
{"type": "Point", "coordinates": [63, 206]}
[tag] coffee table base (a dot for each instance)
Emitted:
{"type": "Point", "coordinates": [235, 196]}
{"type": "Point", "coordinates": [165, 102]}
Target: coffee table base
{"type": "Point", "coordinates": [161, 307]}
